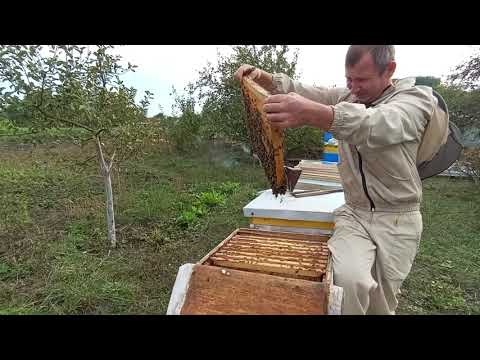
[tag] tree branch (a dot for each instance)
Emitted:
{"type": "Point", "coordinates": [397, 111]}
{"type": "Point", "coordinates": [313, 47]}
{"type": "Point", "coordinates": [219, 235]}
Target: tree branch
{"type": "Point", "coordinates": [63, 120]}
{"type": "Point", "coordinates": [100, 131]}
{"type": "Point", "coordinates": [111, 161]}
{"type": "Point", "coordinates": [100, 154]}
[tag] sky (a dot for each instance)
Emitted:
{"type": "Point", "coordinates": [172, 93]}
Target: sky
{"type": "Point", "coordinates": [162, 66]}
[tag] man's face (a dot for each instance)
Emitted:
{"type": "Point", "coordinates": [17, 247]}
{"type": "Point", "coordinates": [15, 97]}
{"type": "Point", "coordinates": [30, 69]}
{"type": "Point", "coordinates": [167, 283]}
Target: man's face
{"type": "Point", "coordinates": [365, 81]}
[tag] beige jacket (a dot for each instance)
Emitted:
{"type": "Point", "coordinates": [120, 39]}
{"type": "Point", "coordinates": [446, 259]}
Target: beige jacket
{"type": "Point", "coordinates": [378, 145]}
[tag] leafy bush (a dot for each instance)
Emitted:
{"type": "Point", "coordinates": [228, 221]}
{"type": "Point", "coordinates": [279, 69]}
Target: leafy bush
{"type": "Point", "coordinates": [205, 201]}
{"type": "Point", "coordinates": [229, 187]}
{"type": "Point", "coordinates": [187, 218]}
{"type": "Point", "coordinates": [211, 198]}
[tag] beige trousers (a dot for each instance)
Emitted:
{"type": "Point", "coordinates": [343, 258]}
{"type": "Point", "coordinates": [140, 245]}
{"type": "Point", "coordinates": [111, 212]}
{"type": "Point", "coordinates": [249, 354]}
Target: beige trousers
{"type": "Point", "coordinates": [372, 254]}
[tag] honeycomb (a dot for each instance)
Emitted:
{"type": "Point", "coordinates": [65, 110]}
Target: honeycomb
{"type": "Point", "coordinates": [265, 140]}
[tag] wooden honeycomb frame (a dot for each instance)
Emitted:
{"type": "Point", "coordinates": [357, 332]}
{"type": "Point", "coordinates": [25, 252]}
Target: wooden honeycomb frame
{"type": "Point", "coordinates": [266, 140]}
{"type": "Point", "coordinates": [290, 255]}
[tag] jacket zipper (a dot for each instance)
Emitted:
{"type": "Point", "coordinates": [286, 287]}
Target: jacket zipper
{"type": "Point", "coordinates": [360, 164]}
{"type": "Point", "coordinates": [364, 183]}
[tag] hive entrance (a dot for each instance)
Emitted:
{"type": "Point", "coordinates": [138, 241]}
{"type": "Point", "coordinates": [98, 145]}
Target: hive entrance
{"type": "Point", "coordinates": [265, 140]}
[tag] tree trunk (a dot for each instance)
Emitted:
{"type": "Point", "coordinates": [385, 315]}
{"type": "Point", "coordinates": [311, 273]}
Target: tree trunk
{"type": "Point", "coordinates": [106, 170]}
{"type": "Point", "coordinates": [112, 238]}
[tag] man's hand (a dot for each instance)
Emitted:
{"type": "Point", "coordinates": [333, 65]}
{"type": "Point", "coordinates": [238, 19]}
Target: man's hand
{"type": "Point", "coordinates": [246, 70]}
{"type": "Point", "coordinates": [263, 78]}
{"type": "Point", "coordinates": [292, 111]}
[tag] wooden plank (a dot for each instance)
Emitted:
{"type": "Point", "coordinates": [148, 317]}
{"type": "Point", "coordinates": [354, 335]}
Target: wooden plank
{"type": "Point", "coordinates": [215, 291]}
{"type": "Point", "coordinates": [329, 271]}
{"type": "Point", "coordinates": [301, 185]}
{"type": "Point", "coordinates": [333, 169]}
{"type": "Point", "coordinates": [320, 171]}
{"type": "Point", "coordinates": [316, 176]}
{"type": "Point", "coordinates": [272, 259]}
{"type": "Point", "coordinates": [274, 249]}
{"type": "Point", "coordinates": [278, 269]}
{"type": "Point", "coordinates": [335, 300]}
{"type": "Point", "coordinates": [294, 238]}
{"type": "Point", "coordinates": [250, 258]}
{"type": "Point", "coordinates": [332, 182]}
{"type": "Point", "coordinates": [315, 165]}
{"type": "Point", "coordinates": [180, 289]}
{"type": "Point", "coordinates": [272, 254]}
{"type": "Point", "coordinates": [319, 174]}
{"type": "Point", "coordinates": [277, 246]}
{"type": "Point", "coordinates": [313, 176]}
{"type": "Point", "coordinates": [315, 193]}
{"type": "Point", "coordinates": [293, 223]}
{"type": "Point", "coordinates": [279, 241]}
{"type": "Point", "coordinates": [285, 235]}
{"type": "Point", "coordinates": [326, 173]}
{"type": "Point", "coordinates": [295, 244]}
{"type": "Point", "coordinates": [277, 233]}
{"type": "Point", "coordinates": [205, 258]}
{"type": "Point", "coordinates": [307, 231]}
{"type": "Point", "coordinates": [319, 177]}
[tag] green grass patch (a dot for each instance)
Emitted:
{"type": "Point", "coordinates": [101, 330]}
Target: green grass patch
{"type": "Point", "coordinates": [445, 278]}
{"type": "Point", "coordinates": [80, 282]}
{"type": "Point", "coordinates": [19, 311]}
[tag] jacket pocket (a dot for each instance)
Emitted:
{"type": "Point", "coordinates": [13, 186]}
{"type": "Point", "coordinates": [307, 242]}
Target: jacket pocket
{"type": "Point", "coordinates": [387, 166]}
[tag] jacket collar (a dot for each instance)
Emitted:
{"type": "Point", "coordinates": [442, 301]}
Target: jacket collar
{"type": "Point", "coordinates": [397, 86]}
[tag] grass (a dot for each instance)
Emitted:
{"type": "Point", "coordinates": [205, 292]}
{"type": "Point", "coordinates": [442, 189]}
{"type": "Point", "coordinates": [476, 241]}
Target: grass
{"type": "Point", "coordinates": [172, 209]}
{"type": "Point", "coordinates": [446, 276]}
{"type": "Point", "coordinates": [54, 257]}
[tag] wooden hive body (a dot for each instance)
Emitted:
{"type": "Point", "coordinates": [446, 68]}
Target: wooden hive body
{"type": "Point", "coordinates": [266, 140]}
{"type": "Point", "coordinates": [261, 272]}
{"type": "Point", "coordinates": [319, 171]}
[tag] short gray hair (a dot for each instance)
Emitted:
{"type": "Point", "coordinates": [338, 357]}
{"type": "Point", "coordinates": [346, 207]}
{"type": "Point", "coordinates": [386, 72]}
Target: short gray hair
{"type": "Point", "coordinates": [382, 55]}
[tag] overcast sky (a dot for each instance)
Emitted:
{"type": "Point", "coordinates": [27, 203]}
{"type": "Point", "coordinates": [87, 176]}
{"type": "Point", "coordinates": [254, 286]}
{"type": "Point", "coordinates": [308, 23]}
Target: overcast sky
{"type": "Point", "coordinates": [162, 66]}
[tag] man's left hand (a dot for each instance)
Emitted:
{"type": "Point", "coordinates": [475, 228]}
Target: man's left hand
{"type": "Point", "coordinates": [286, 110]}
{"type": "Point", "coordinates": [293, 110]}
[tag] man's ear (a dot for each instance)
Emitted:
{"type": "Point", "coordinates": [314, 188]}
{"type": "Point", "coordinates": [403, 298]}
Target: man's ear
{"type": "Point", "coordinates": [391, 68]}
